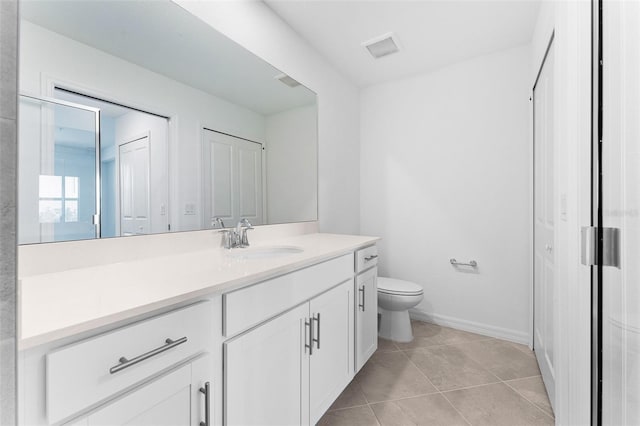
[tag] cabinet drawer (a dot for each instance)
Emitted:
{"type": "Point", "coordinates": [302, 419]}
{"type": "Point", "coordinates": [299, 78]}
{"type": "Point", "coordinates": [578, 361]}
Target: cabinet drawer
{"type": "Point", "coordinates": [250, 306]}
{"type": "Point", "coordinates": [82, 375]}
{"type": "Point", "coordinates": [366, 258]}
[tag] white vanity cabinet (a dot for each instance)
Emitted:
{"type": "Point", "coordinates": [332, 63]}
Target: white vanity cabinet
{"type": "Point", "coordinates": [366, 296]}
{"type": "Point", "coordinates": [288, 370]}
{"type": "Point", "coordinates": [276, 351]}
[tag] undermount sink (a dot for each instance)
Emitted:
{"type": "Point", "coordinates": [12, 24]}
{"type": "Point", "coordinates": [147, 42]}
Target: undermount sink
{"type": "Point", "coordinates": [264, 252]}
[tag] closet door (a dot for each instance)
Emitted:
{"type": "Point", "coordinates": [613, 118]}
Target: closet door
{"type": "Point", "coordinates": [544, 226]}
{"type": "Point", "coordinates": [232, 186]}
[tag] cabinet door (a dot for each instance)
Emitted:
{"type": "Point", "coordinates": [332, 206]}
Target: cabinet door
{"type": "Point", "coordinates": [267, 373]}
{"type": "Point", "coordinates": [331, 361]}
{"type": "Point", "coordinates": [366, 316]}
{"type": "Point", "coordinates": [163, 402]}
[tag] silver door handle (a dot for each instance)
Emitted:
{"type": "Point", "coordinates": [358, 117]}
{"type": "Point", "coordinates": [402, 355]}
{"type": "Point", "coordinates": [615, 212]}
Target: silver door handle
{"type": "Point", "coordinates": [370, 258]}
{"type": "Point", "coordinates": [361, 292]}
{"type": "Point", "coordinates": [126, 363]}
{"type": "Point", "coordinates": [309, 325]}
{"type": "Point", "coordinates": [316, 338]}
{"type": "Point", "coordinates": [207, 406]}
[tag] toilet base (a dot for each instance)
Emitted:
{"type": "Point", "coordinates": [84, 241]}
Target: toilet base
{"type": "Point", "coordinates": [395, 325]}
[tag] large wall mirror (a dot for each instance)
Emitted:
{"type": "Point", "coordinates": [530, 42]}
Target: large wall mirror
{"type": "Point", "coordinates": [138, 118]}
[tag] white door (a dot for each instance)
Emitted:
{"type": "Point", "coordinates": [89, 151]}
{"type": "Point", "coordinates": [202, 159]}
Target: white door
{"type": "Point", "coordinates": [133, 186]}
{"type": "Point", "coordinates": [164, 402]}
{"type": "Point", "coordinates": [331, 362]}
{"type": "Point", "coordinates": [232, 184]}
{"type": "Point", "coordinates": [620, 185]}
{"type": "Point", "coordinates": [267, 373]}
{"type": "Point", "coordinates": [544, 196]}
{"type": "Point", "coordinates": [366, 316]}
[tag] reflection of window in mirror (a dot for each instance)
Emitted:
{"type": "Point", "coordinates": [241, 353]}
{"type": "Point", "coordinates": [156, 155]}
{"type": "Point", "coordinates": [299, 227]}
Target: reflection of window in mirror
{"type": "Point", "coordinates": [58, 203]}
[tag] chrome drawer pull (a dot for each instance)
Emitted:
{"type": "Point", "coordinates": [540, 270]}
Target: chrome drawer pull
{"type": "Point", "coordinates": [361, 291]}
{"type": "Point", "coordinates": [370, 258]}
{"type": "Point", "coordinates": [207, 407]}
{"type": "Point", "coordinates": [316, 338]}
{"type": "Point", "coordinates": [310, 345]}
{"type": "Point", "coordinates": [126, 363]}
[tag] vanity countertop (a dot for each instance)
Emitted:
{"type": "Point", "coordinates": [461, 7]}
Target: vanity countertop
{"type": "Point", "coordinates": [61, 304]}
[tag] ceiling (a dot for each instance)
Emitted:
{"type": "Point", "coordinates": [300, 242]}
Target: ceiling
{"type": "Point", "coordinates": [163, 37]}
{"type": "Point", "coordinates": [432, 34]}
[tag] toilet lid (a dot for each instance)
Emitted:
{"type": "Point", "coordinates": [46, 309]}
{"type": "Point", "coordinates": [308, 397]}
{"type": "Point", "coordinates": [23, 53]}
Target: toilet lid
{"type": "Point", "coordinates": [401, 287]}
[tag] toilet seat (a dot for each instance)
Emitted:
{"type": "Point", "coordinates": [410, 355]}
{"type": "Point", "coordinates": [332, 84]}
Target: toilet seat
{"type": "Point", "coordinates": [398, 287]}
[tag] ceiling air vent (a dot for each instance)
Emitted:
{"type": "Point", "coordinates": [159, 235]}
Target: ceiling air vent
{"type": "Point", "coordinates": [287, 80]}
{"type": "Point", "coordinates": [383, 45]}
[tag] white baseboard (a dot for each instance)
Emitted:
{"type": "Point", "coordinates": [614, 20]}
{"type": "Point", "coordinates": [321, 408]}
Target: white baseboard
{"type": "Point", "coordinates": [473, 327]}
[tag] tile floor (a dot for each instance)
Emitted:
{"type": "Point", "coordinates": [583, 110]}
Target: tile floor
{"type": "Point", "coordinates": [445, 377]}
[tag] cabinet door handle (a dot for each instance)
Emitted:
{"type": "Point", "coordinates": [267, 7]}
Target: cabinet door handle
{"type": "Point", "coordinates": [309, 325]}
{"type": "Point", "coordinates": [370, 258]}
{"type": "Point", "coordinates": [361, 292]}
{"type": "Point", "coordinates": [207, 405]}
{"type": "Point", "coordinates": [126, 363]}
{"type": "Point", "coordinates": [316, 338]}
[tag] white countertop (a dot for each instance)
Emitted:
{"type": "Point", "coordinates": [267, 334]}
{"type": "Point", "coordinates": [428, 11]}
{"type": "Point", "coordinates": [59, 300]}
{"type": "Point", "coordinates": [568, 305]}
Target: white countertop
{"type": "Point", "coordinates": [61, 304]}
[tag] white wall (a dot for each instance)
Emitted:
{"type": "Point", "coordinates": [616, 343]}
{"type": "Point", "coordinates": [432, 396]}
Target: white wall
{"type": "Point", "coordinates": [48, 57]}
{"type": "Point", "coordinates": [292, 186]}
{"type": "Point", "coordinates": [445, 174]}
{"type": "Point", "coordinates": [257, 28]}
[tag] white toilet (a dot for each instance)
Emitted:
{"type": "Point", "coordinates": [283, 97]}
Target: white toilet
{"type": "Point", "coordinates": [395, 298]}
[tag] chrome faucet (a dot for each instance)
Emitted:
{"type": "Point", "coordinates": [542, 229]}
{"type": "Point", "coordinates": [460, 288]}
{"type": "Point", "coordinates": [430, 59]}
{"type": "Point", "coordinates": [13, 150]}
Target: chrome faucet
{"type": "Point", "coordinates": [237, 237]}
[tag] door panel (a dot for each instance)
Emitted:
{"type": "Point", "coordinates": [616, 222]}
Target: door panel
{"type": "Point", "coordinates": [266, 371]}
{"type": "Point", "coordinates": [544, 232]}
{"type": "Point", "coordinates": [222, 181]}
{"type": "Point", "coordinates": [133, 160]}
{"type": "Point", "coordinates": [620, 188]}
{"type": "Point", "coordinates": [366, 299]}
{"type": "Point", "coordinates": [331, 364]}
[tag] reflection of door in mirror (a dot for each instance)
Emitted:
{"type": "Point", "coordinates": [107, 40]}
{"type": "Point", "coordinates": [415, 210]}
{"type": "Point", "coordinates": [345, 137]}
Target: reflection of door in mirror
{"type": "Point", "coordinates": [232, 179]}
{"type": "Point", "coordinates": [57, 166]}
{"type": "Point", "coordinates": [133, 186]}
{"type": "Point", "coordinates": [119, 126]}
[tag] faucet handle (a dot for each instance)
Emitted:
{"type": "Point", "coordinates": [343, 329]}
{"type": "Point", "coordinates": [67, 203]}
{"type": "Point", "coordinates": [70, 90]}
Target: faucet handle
{"type": "Point", "coordinates": [227, 237]}
{"type": "Point", "coordinates": [217, 222]}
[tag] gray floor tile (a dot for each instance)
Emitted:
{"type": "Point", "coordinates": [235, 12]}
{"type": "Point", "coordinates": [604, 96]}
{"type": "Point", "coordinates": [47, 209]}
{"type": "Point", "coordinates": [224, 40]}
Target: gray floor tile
{"type": "Point", "coordinates": [424, 335]}
{"type": "Point", "coordinates": [533, 389]}
{"type": "Point", "coordinates": [448, 367]}
{"type": "Point", "coordinates": [358, 416]}
{"type": "Point", "coordinates": [392, 375]}
{"type": "Point", "coordinates": [495, 405]}
{"type": "Point", "coordinates": [423, 410]}
{"type": "Point", "coordinates": [452, 336]}
{"type": "Point", "coordinates": [523, 348]}
{"type": "Point", "coordinates": [385, 345]}
{"type": "Point", "coordinates": [502, 359]}
{"type": "Point", "coordinates": [352, 396]}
